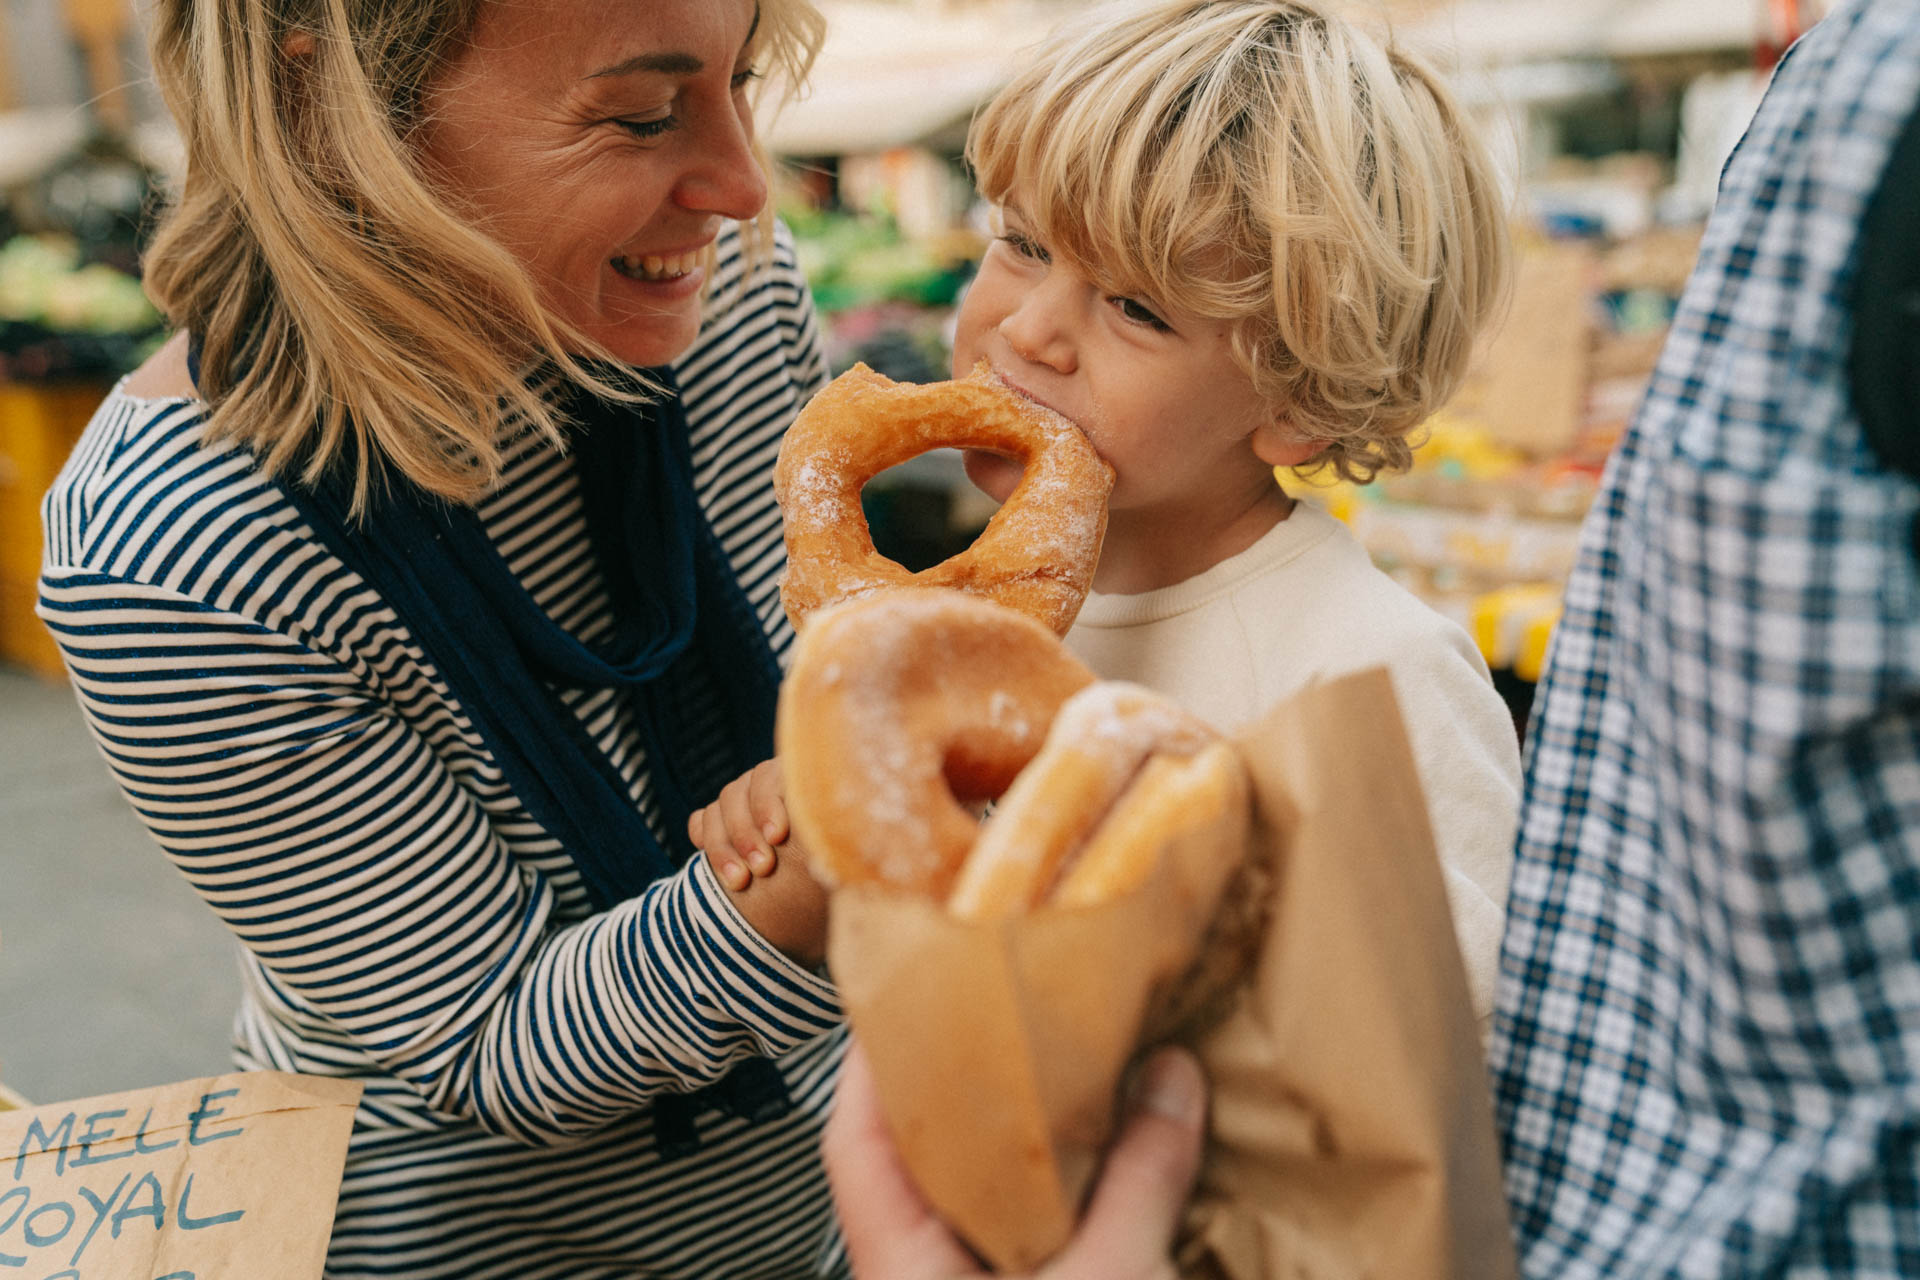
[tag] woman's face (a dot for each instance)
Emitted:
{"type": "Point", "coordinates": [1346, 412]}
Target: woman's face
{"type": "Point", "coordinates": [604, 143]}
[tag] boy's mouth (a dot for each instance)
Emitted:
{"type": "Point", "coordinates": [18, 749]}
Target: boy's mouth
{"type": "Point", "coordinates": [1031, 398]}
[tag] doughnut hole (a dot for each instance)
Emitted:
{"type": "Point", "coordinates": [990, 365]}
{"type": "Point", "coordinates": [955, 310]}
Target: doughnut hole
{"type": "Point", "coordinates": [925, 510]}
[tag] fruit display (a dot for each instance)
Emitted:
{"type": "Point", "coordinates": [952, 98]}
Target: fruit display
{"type": "Point", "coordinates": [62, 318]}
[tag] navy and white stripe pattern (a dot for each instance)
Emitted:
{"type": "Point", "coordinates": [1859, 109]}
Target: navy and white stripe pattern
{"type": "Point", "coordinates": [1707, 1042]}
{"type": "Point", "coordinates": [405, 922]}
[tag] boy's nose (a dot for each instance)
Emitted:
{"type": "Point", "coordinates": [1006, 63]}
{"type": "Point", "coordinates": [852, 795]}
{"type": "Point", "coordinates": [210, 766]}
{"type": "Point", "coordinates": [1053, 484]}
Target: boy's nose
{"type": "Point", "coordinates": [1039, 334]}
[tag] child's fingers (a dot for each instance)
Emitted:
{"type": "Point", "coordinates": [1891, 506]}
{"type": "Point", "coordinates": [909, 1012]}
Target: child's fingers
{"type": "Point", "coordinates": [736, 813]}
{"type": "Point", "coordinates": [727, 868]}
{"type": "Point", "coordinates": [767, 795]}
{"type": "Point", "coordinates": [731, 873]}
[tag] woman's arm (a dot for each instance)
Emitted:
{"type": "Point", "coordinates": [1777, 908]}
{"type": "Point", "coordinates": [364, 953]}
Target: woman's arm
{"type": "Point", "coordinates": [331, 837]}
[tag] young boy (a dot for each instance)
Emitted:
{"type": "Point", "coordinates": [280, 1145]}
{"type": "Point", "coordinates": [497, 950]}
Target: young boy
{"type": "Point", "coordinates": [1238, 235]}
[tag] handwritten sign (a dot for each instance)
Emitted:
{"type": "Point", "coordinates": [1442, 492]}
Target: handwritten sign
{"type": "Point", "coordinates": [229, 1178]}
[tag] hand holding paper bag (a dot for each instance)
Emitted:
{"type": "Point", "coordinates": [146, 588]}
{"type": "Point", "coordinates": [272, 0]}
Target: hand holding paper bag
{"type": "Point", "coordinates": [1128, 1230]}
{"type": "Point", "coordinates": [1351, 1130]}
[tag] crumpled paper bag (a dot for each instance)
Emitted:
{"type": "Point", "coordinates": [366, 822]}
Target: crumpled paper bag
{"type": "Point", "coordinates": [1351, 1131]}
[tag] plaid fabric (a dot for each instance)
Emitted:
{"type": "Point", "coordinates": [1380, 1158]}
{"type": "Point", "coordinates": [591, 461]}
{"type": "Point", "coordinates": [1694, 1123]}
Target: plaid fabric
{"type": "Point", "coordinates": [1709, 1017]}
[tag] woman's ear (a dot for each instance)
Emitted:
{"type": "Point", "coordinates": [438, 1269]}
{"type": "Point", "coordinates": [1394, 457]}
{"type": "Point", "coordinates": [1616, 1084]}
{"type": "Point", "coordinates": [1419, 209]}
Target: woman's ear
{"type": "Point", "coordinates": [1277, 444]}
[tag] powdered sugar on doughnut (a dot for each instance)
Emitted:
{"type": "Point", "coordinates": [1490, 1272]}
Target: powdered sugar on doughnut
{"type": "Point", "coordinates": [1098, 742]}
{"type": "Point", "coordinates": [1038, 551]}
{"type": "Point", "coordinates": [897, 706]}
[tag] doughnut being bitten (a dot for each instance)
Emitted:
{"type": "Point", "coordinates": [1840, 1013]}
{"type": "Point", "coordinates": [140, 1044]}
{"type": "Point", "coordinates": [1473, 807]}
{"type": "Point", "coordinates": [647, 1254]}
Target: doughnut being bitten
{"type": "Point", "coordinates": [1038, 551]}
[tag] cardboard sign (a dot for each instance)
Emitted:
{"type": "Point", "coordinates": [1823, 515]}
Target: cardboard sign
{"type": "Point", "coordinates": [228, 1178]}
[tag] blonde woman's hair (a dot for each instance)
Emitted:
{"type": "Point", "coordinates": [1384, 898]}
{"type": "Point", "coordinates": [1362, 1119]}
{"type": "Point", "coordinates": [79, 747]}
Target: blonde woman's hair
{"type": "Point", "coordinates": [347, 315]}
{"type": "Point", "coordinates": [1265, 163]}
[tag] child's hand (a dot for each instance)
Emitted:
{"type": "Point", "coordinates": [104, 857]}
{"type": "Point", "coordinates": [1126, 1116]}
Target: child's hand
{"type": "Point", "coordinates": [788, 908]}
{"type": "Point", "coordinates": [738, 830]}
{"type": "Point", "coordinates": [772, 888]}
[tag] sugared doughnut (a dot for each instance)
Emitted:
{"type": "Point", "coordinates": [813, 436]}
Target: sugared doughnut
{"type": "Point", "coordinates": [1038, 551]}
{"type": "Point", "coordinates": [1099, 741]}
{"type": "Point", "coordinates": [901, 711]}
{"type": "Point", "coordinates": [1170, 794]}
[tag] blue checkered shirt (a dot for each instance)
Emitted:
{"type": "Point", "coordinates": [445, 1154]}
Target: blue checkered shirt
{"type": "Point", "coordinates": [1707, 1046]}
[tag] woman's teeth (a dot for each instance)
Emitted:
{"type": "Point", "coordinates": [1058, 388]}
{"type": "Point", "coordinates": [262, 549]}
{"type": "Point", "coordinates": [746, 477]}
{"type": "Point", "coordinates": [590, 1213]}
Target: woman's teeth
{"type": "Point", "coordinates": [654, 268]}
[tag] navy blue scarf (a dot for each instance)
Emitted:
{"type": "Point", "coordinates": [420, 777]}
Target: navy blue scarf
{"type": "Point", "coordinates": [686, 647]}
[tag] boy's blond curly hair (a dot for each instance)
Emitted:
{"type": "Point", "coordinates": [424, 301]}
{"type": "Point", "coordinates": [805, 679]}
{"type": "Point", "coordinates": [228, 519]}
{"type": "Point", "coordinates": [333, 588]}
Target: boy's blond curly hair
{"type": "Point", "coordinates": [1266, 163]}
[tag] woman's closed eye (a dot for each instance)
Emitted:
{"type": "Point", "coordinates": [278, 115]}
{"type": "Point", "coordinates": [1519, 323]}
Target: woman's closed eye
{"type": "Point", "coordinates": [655, 126]}
{"type": "Point", "coordinates": [649, 128]}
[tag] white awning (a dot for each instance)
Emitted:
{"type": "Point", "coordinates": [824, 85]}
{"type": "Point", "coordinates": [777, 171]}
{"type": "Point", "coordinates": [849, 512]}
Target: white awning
{"type": "Point", "coordinates": [1502, 31]}
{"type": "Point", "coordinates": [894, 75]}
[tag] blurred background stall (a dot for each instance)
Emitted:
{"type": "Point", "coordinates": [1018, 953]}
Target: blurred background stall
{"type": "Point", "coordinates": [1611, 118]}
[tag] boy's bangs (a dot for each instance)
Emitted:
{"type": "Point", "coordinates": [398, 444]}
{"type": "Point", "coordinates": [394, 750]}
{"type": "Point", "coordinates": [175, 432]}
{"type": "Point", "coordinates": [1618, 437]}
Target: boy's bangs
{"type": "Point", "coordinates": [1134, 176]}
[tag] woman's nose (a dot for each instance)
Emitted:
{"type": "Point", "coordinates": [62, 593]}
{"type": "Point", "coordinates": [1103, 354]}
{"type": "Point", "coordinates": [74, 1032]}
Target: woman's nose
{"type": "Point", "coordinates": [725, 176]}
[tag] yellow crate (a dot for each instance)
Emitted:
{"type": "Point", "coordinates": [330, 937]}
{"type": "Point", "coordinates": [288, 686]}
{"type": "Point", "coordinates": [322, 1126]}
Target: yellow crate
{"type": "Point", "coordinates": [38, 427]}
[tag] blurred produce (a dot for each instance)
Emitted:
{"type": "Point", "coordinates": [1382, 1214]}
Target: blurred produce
{"type": "Point", "coordinates": [99, 197]}
{"type": "Point", "coordinates": [859, 259]}
{"type": "Point", "coordinates": [71, 306]}
{"type": "Point", "coordinates": [64, 318]}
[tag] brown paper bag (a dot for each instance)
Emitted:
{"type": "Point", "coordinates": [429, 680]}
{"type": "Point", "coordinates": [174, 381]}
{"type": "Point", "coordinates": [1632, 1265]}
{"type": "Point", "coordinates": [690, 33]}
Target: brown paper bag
{"type": "Point", "coordinates": [1351, 1131]}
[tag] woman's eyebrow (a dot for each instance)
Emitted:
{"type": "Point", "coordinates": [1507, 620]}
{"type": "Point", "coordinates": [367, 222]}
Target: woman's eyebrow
{"type": "Point", "coordinates": [672, 64]}
{"type": "Point", "coordinates": [668, 63]}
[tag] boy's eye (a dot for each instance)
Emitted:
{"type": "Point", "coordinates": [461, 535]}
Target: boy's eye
{"type": "Point", "coordinates": [1139, 314]}
{"type": "Point", "coordinates": [1025, 245]}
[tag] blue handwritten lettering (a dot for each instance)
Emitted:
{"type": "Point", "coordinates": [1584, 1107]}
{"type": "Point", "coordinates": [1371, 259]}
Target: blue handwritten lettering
{"type": "Point", "coordinates": [99, 1214]}
{"type": "Point", "coordinates": [204, 1112]}
{"type": "Point", "coordinates": [41, 1239]}
{"type": "Point", "coordinates": [87, 1139]}
{"type": "Point", "coordinates": [171, 1275]}
{"type": "Point", "coordinates": [140, 1143]}
{"type": "Point", "coordinates": [156, 1208]}
{"type": "Point", "coordinates": [190, 1223]}
{"type": "Point", "coordinates": [63, 1131]}
{"type": "Point", "coordinates": [25, 1194]}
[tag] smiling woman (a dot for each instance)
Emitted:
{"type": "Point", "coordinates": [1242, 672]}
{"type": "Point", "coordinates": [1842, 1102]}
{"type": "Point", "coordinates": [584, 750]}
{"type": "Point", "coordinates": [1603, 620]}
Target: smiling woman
{"type": "Point", "coordinates": [608, 175]}
{"type": "Point", "coordinates": [422, 587]}
{"type": "Point", "coordinates": [486, 178]}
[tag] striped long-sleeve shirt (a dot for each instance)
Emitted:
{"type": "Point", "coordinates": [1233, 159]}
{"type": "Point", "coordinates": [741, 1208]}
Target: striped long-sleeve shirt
{"type": "Point", "coordinates": [403, 920]}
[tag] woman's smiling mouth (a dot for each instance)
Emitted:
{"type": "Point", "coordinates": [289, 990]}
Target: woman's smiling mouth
{"type": "Point", "coordinates": [656, 268]}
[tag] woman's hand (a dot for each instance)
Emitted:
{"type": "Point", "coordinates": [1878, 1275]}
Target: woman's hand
{"type": "Point", "coordinates": [1127, 1233]}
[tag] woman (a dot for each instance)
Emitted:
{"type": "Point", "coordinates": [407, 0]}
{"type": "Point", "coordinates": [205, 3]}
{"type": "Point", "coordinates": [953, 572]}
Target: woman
{"type": "Point", "coordinates": [416, 665]}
